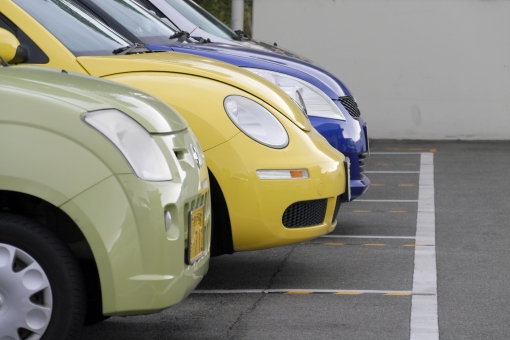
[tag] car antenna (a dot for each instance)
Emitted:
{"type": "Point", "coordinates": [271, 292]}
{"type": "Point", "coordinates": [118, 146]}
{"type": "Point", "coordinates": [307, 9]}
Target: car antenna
{"type": "Point", "coordinates": [4, 63]}
{"type": "Point", "coordinates": [64, 71]}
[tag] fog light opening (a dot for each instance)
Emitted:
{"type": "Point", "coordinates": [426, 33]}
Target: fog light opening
{"type": "Point", "coordinates": [168, 221]}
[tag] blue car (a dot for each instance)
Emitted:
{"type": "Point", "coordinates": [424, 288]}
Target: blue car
{"type": "Point", "coordinates": [328, 103]}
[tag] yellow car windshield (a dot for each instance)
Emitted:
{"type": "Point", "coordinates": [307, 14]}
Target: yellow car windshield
{"type": "Point", "coordinates": [74, 27]}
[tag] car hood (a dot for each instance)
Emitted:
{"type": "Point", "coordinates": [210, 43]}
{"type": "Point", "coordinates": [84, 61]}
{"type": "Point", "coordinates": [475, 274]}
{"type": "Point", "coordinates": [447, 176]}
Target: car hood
{"type": "Point", "coordinates": [92, 94]}
{"type": "Point", "coordinates": [250, 57]}
{"type": "Point", "coordinates": [201, 67]}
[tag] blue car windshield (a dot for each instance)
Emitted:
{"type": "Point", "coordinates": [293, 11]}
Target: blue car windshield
{"type": "Point", "coordinates": [75, 28]}
{"type": "Point", "coordinates": [203, 19]}
{"type": "Point", "coordinates": [141, 23]}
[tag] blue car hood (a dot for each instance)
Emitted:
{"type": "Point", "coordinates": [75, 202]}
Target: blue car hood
{"type": "Point", "coordinates": [248, 57]}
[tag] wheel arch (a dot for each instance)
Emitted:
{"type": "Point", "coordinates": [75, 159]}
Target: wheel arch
{"type": "Point", "coordinates": [63, 226]}
{"type": "Point", "coordinates": [221, 233]}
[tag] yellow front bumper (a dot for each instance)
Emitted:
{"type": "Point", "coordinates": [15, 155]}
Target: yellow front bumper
{"type": "Point", "coordinates": [256, 206]}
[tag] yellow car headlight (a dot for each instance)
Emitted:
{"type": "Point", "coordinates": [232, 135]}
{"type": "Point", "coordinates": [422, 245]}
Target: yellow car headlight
{"type": "Point", "coordinates": [256, 122]}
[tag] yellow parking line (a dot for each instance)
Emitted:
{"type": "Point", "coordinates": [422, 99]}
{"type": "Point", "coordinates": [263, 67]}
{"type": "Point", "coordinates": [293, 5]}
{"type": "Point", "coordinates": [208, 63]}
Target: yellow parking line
{"type": "Point", "coordinates": [406, 185]}
{"type": "Point", "coordinates": [361, 211]}
{"type": "Point", "coordinates": [397, 211]}
{"type": "Point", "coordinates": [298, 293]}
{"type": "Point", "coordinates": [333, 244]}
{"type": "Point", "coordinates": [348, 293]}
{"type": "Point", "coordinates": [373, 245]}
{"type": "Point", "coordinates": [398, 294]}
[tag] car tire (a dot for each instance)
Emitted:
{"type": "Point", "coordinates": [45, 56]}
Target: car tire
{"type": "Point", "coordinates": [41, 284]}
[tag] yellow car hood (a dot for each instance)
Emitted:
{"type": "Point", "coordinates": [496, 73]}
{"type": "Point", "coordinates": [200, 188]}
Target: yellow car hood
{"type": "Point", "coordinates": [174, 62]}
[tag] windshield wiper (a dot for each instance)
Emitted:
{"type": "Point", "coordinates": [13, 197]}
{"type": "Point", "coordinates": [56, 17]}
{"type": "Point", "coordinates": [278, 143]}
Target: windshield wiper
{"type": "Point", "coordinates": [183, 36]}
{"type": "Point", "coordinates": [132, 49]}
{"type": "Point", "coordinates": [242, 35]}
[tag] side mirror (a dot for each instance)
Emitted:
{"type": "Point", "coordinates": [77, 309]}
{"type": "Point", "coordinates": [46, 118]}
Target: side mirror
{"type": "Point", "coordinates": [10, 48]}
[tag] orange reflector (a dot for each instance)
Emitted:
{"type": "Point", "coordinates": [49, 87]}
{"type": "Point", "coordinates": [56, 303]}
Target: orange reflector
{"type": "Point", "coordinates": [296, 174]}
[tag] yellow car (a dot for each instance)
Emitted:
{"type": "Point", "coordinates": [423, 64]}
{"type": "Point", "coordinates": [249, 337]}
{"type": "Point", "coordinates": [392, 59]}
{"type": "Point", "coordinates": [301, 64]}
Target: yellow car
{"type": "Point", "coordinates": [274, 180]}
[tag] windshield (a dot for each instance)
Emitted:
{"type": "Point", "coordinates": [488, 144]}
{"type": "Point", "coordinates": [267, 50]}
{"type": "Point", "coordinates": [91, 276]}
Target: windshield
{"type": "Point", "coordinates": [203, 19]}
{"type": "Point", "coordinates": [76, 29]}
{"type": "Point", "coordinates": [137, 20]}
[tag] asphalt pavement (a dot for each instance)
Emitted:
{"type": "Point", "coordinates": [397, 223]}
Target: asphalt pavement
{"type": "Point", "coordinates": [424, 254]}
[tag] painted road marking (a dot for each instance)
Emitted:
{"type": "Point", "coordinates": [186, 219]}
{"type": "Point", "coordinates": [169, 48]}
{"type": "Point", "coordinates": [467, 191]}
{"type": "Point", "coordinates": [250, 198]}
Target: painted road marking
{"type": "Point", "coordinates": [391, 172]}
{"type": "Point", "coordinates": [424, 318]}
{"type": "Point", "coordinates": [386, 201]}
{"type": "Point", "coordinates": [398, 294]}
{"type": "Point", "coordinates": [397, 211]}
{"type": "Point", "coordinates": [368, 236]}
{"type": "Point", "coordinates": [396, 153]}
{"type": "Point", "coordinates": [406, 185]}
{"type": "Point", "coordinates": [307, 291]}
{"type": "Point", "coordinates": [332, 244]}
{"type": "Point", "coordinates": [376, 185]}
{"type": "Point", "coordinates": [361, 211]}
{"type": "Point", "coordinates": [411, 149]}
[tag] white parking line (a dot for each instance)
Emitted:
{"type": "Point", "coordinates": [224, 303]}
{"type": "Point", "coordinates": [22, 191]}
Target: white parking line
{"type": "Point", "coordinates": [386, 201]}
{"type": "Point", "coordinates": [397, 153]}
{"type": "Point", "coordinates": [367, 236]}
{"type": "Point", "coordinates": [309, 291]}
{"type": "Point", "coordinates": [424, 317]}
{"type": "Point", "coordinates": [391, 172]}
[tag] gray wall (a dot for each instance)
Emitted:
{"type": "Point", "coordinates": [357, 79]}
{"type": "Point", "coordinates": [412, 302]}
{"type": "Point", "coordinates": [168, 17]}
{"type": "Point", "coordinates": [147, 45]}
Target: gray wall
{"type": "Point", "coordinates": [420, 69]}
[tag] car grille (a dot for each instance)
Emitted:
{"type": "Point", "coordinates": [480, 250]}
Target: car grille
{"type": "Point", "coordinates": [305, 214]}
{"type": "Point", "coordinates": [350, 105]}
{"type": "Point", "coordinates": [337, 208]}
{"type": "Point", "coordinates": [362, 157]}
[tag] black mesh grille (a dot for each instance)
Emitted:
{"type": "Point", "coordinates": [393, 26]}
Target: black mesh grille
{"type": "Point", "coordinates": [337, 208]}
{"type": "Point", "coordinates": [350, 105]}
{"type": "Point", "coordinates": [305, 214]}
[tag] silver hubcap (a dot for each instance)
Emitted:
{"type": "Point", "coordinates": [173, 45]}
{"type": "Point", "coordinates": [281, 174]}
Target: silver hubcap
{"type": "Point", "coordinates": [26, 300]}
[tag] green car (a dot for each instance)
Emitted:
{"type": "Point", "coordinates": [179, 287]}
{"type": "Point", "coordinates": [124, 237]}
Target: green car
{"type": "Point", "coordinates": [104, 203]}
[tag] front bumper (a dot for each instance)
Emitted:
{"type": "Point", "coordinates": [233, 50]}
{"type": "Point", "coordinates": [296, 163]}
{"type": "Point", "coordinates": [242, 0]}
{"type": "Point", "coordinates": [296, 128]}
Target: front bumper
{"type": "Point", "coordinates": [256, 207]}
{"type": "Point", "coordinates": [142, 266]}
{"type": "Point", "coordinates": [351, 139]}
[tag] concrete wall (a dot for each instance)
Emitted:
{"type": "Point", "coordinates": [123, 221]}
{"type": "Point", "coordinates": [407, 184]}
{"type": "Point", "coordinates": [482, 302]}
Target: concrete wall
{"type": "Point", "coordinates": [420, 69]}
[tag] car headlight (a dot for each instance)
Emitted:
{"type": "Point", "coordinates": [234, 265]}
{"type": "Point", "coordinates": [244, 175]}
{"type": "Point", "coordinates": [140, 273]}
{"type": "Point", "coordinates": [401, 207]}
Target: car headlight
{"type": "Point", "coordinates": [134, 143]}
{"type": "Point", "coordinates": [256, 122]}
{"type": "Point", "coordinates": [312, 100]}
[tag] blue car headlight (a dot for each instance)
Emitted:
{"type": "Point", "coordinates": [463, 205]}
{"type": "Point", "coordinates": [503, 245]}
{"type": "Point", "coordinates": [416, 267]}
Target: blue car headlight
{"type": "Point", "coordinates": [312, 100]}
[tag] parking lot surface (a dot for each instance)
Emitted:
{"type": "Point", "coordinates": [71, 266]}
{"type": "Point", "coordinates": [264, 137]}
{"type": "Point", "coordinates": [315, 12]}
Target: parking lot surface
{"type": "Point", "coordinates": [424, 254]}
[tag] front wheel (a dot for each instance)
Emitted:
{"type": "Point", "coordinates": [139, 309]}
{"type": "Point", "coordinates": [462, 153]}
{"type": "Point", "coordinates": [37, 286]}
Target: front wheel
{"type": "Point", "coordinates": [41, 285]}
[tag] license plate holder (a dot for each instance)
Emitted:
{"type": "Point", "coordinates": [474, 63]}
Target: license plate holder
{"type": "Point", "coordinates": [196, 248]}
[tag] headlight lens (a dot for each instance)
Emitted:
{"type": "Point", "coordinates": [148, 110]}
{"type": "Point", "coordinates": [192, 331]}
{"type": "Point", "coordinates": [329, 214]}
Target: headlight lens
{"type": "Point", "coordinates": [134, 143]}
{"type": "Point", "coordinates": [256, 122]}
{"type": "Point", "coordinates": [312, 100]}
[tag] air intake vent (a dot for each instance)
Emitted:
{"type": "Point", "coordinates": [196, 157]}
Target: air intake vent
{"type": "Point", "coordinates": [362, 157]}
{"type": "Point", "coordinates": [350, 105]}
{"type": "Point", "coordinates": [337, 208]}
{"type": "Point", "coordinates": [305, 214]}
